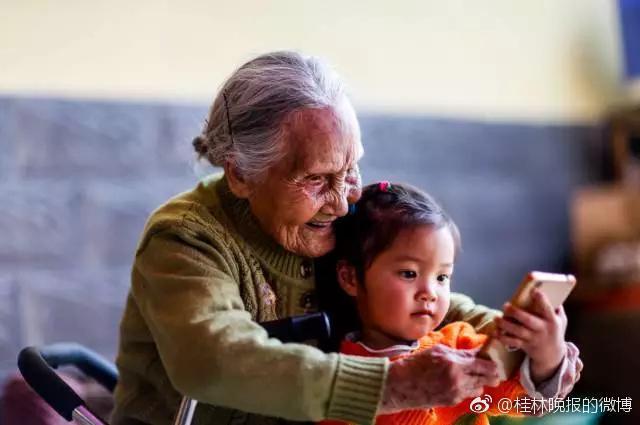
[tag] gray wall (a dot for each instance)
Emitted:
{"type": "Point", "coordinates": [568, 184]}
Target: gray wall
{"type": "Point", "coordinates": [78, 179]}
{"type": "Point", "coordinates": [507, 186]}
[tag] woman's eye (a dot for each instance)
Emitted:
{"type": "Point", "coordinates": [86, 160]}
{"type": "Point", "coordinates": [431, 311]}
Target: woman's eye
{"type": "Point", "coordinates": [407, 274]}
{"type": "Point", "coordinates": [352, 175]}
{"type": "Point", "coordinates": [316, 179]}
{"type": "Point", "coordinates": [443, 278]}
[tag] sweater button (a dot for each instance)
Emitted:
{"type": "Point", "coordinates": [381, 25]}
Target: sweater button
{"type": "Point", "coordinates": [306, 269]}
{"type": "Point", "coordinates": [308, 301]}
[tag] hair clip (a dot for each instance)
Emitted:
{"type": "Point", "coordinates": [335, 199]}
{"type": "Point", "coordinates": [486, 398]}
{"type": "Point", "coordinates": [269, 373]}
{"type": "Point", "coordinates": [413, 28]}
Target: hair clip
{"type": "Point", "coordinates": [384, 186]}
{"type": "Point", "coordinates": [352, 209]}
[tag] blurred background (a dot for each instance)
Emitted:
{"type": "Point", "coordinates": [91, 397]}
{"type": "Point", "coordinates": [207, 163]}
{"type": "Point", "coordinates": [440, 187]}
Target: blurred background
{"type": "Point", "coordinates": [521, 117]}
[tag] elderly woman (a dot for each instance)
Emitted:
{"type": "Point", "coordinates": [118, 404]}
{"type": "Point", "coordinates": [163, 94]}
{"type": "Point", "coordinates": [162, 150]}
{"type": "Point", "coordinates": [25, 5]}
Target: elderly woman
{"type": "Point", "coordinates": [239, 249]}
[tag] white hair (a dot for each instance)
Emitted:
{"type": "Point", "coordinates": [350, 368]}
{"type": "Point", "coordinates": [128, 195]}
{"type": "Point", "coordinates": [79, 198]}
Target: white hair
{"type": "Point", "coordinates": [245, 121]}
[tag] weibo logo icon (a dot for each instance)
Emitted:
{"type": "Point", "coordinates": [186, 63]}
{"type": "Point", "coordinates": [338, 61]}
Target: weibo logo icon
{"type": "Point", "coordinates": [480, 404]}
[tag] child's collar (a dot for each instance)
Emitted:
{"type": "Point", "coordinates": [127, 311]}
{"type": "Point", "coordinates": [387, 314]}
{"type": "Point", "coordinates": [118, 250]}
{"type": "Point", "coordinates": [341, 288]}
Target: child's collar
{"type": "Point", "coordinates": [393, 350]}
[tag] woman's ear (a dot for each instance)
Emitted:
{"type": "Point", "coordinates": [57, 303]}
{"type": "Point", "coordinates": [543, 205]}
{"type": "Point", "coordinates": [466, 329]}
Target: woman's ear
{"type": "Point", "coordinates": [347, 278]}
{"type": "Point", "coordinates": [237, 183]}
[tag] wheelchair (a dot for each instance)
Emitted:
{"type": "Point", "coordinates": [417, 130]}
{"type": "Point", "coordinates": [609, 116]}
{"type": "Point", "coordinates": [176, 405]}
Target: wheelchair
{"type": "Point", "coordinates": [37, 367]}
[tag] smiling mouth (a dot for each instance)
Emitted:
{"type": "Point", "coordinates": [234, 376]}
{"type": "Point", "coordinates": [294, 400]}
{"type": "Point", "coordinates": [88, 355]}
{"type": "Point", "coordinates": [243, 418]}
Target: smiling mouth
{"type": "Point", "coordinates": [320, 224]}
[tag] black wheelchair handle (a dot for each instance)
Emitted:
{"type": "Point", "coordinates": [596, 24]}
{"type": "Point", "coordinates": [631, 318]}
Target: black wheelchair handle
{"type": "Point", "coordinates": [44, 381]}
{"type": "Point", "coordinates": [89, 362]}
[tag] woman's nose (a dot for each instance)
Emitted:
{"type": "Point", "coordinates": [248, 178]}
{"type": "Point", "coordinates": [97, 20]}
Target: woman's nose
{"type": "Point", "coordinates": [338, 203]}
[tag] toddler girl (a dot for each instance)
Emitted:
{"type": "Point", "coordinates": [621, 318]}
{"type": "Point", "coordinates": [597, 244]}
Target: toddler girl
{"type": "Point", "coordinates": [396, 254]}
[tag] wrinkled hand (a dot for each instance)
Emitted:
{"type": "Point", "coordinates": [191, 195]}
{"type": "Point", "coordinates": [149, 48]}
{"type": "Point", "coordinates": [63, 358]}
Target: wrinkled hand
{"type": "Point", "coordinates": [440, 376]}
{"type": "Point", "coordinates": [539, 332]}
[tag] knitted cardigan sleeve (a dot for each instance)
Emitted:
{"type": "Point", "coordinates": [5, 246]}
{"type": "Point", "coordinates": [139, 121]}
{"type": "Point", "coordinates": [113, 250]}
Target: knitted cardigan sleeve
{"type": "Point", "coordinates": [188, 295]}
{"type": "Point", "coordinates": [463, 309]}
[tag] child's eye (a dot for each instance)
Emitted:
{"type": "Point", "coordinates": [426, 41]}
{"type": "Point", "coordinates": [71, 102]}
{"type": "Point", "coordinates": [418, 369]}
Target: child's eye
{"type": "Point", "coordinates": [443, 278]}
{"type": "Point", "coordinates": [407, 274]}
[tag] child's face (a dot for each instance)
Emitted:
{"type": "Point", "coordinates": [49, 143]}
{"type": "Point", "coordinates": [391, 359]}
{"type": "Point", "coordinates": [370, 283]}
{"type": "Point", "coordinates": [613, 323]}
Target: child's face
{"type": "Point", "coordinates": [406, 292]}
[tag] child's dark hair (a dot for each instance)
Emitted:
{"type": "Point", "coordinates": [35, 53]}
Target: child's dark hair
{"type": "Point", "coordinates": [381, 213]}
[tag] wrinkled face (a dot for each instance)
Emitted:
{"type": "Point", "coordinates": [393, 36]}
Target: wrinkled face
{"type": "Point", "coordinates": [301, 196]}
{"type": "Point", "coordinates": [406, 288]}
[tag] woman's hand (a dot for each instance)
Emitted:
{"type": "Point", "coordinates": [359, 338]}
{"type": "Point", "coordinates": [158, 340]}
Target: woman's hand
{"type": "Point", "coordinates": [539, 333]}
{"type": "Point", "coordinates": [440, 376]}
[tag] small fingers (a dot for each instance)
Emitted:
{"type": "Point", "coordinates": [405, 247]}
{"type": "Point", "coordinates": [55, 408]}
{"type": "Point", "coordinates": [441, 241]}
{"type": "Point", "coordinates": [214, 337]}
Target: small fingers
{"type": "Point", "coordinates": [542, 305]}
{"type": "Point", "coordinates": [525, 318]}
{"type": "Point", "coordinates": [561, 313]}
{"type": "Point", "coordinates": [513, 329]}
{"type": "Point", "coordinates": [511, 342]}
{"type": "Point", "coordinates": [561, 317]}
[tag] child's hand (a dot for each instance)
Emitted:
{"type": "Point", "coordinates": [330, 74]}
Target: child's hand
{"type": "Point", "coordinates": [539, 333]}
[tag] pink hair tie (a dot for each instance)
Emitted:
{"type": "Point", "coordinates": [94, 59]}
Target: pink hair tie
{"type": "Point", "coordinates": [384, 186]}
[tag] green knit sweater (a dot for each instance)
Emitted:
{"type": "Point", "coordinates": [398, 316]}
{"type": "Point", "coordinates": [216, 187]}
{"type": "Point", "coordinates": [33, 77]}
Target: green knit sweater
{"type": "Point", "coordinates": [204, 274]}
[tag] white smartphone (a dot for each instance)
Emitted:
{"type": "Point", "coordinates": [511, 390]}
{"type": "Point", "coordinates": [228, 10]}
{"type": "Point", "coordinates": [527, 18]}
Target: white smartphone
{"type": "Point", "coordinates": [556, 287]}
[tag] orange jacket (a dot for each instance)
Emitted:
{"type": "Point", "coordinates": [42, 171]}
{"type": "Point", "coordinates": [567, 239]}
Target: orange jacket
{"type": "Point", "coordinates": [456, 335]}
